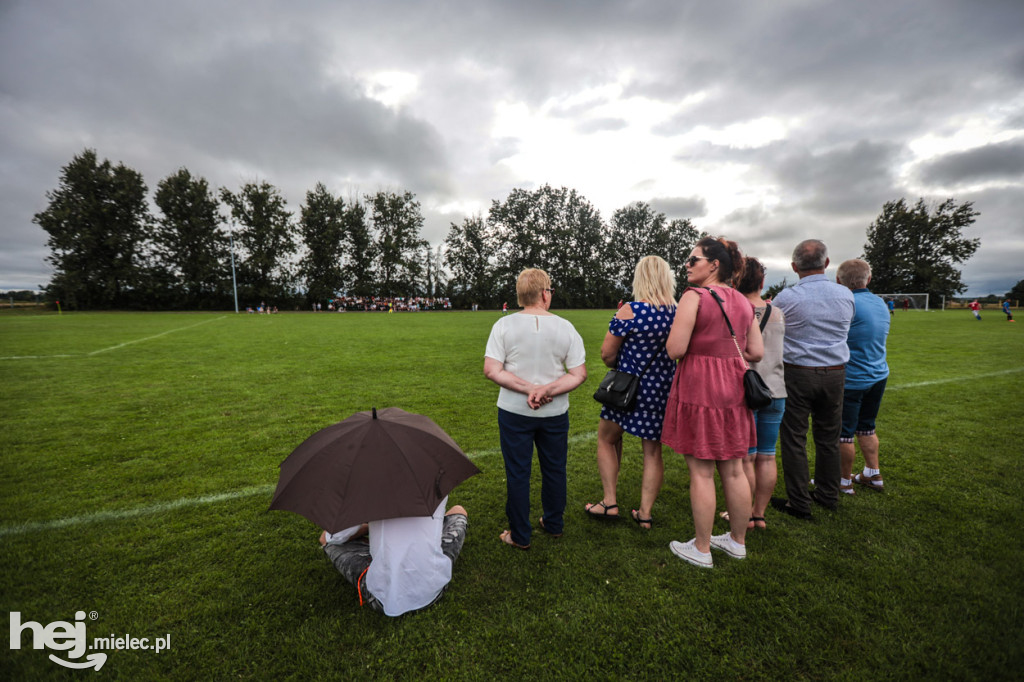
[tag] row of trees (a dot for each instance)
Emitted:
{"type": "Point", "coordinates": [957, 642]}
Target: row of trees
{"type": "Point", "coordinates": [109, 251]}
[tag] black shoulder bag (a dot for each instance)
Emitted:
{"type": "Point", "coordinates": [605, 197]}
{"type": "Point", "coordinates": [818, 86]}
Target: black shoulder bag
{"type": "Point", "coordinates": [618, 389]}
{"type": "Point", "coordinates": [754, 389]}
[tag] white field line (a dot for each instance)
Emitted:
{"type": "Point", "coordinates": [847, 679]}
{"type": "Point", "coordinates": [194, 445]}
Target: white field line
{"type": "Point", "coordinates": [118, 515]}
{"type": "Point", "coordinates": [950, 380]}
{"type": "Point", "coordinates": [184, 502]}
{"type": "Point", "coordinates": [104, 350]}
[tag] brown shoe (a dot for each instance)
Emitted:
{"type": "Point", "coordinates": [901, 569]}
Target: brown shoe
{"type": "Point", "coordinates": [873, 482]}
{"type": "Point", "coordinates": [847, 489]}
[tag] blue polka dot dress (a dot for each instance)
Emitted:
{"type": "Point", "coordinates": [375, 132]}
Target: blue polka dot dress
{"type": "Point", "coordinates": [645, 336]}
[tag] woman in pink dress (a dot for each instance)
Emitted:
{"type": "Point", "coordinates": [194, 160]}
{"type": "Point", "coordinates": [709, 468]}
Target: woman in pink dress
{"type": "Point", "coordinates": [707, 419]}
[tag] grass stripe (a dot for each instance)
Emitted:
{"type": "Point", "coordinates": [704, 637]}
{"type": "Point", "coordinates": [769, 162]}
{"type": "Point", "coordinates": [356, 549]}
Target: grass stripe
{"type": "Point", "coordinates": [121, 514]}
{"type": "Point", "coordinates": [950, 380]}
{"type": "Point", "coordinates": [155, 336]}
{"type": "Point", "coordinates": [110, 348]}
{"type": "Point", "coordinates": [185, 502]}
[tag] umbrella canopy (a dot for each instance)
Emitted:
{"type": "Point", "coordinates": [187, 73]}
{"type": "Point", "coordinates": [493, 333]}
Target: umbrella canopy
{"type": "Point", "coordinates": [371, 466]}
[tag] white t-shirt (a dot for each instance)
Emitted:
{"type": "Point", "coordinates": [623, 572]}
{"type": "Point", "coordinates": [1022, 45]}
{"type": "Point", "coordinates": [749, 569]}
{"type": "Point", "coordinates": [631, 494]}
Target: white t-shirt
{"type": "Point", "coordinates": [408, 569]}
{"type": "Point", "coordinates": [538, 349]}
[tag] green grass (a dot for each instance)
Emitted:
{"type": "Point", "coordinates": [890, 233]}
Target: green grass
{"type": "Point", "coordinates": [136, 474]}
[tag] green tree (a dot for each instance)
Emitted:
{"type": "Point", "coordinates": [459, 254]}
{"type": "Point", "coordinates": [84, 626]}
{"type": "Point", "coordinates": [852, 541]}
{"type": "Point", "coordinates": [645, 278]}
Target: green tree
{"type": "Point", "coordinates": [433, 262]}
{"type": "Point", "coordinates": [266, 239]}
{"type": "Point", "coordinates": [557, 230]}
{"type": "Point", "coordinates": [397, 222]}
{"type": "Point", "coordinates": [322, 227]}
{"type": "Point", "coordinates": [98, 224]}
{"type": "Point", "coordinates": [190, 242]}
{"type": "Point", "coordinates": [1017, 292]}
{"type": "Point", "coordinates": [469, 250]}
{"type": "Point", "coordinates": [358, 277]}
{"type": "Point", "coordinates": [682, 237]}
{"type": "Point", "coordinates": [637, 231]}
{"type": "Point", "coordinates": [773, 291]}
{"type": "Point", "coordinates": [912, 249]}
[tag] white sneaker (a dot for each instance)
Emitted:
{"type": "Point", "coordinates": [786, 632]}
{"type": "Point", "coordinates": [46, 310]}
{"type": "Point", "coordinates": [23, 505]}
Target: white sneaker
{"type": "Point", "coordinates": [725, 543]}
{"type": "Point", "coordinates": [687, 551]}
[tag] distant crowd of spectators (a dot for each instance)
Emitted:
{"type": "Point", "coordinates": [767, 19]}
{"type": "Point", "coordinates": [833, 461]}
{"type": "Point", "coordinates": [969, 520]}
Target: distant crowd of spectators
{"type": "Point", "coordinates": [384, 303]}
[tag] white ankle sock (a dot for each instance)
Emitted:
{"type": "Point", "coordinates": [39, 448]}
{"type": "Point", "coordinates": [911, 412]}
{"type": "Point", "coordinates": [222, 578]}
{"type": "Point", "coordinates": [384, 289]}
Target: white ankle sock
{"type": "Point", "coordinates": [871, 472]}
{"type": "Point", "coordinates": [845, 481]}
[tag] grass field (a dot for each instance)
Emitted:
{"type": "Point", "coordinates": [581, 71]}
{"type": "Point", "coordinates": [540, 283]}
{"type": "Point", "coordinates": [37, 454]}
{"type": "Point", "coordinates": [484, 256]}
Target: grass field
{"type": "Point", "coordinates": [140, 451]}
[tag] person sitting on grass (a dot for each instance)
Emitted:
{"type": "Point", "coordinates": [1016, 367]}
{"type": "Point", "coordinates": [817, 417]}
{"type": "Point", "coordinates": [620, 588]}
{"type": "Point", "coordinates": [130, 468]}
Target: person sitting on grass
{"type": "Point", "coordinates": [404, 564]}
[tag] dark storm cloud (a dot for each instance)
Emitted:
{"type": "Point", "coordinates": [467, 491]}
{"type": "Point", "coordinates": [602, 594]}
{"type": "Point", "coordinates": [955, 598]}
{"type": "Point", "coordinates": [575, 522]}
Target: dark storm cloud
{"type": "Point", "coordinates": [1003, 161]}
{"type": "Point", "coordinates": [277, 91]}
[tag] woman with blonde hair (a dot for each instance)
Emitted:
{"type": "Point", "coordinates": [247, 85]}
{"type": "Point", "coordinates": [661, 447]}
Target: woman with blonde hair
{"type": "Point", "coordinates": [706, 418]}
{"type": "Point", "coordinates": [635, 341]}
{"type": "Point", "coordinates": [536, 358]}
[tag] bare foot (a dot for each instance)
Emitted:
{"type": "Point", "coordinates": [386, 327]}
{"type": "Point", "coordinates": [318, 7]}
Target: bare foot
{"type": "Point", "coordinates": [506, 537]}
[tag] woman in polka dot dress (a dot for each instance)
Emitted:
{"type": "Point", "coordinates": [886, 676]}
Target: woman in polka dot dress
{"type": "Point", "coordinates": [636, 336]}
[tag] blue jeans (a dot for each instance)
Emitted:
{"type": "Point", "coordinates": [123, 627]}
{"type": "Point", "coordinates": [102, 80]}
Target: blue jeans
{"type": "Point", "coordinates": [519, 434]}
{"type": "Point", "coordinates": [768, 419]}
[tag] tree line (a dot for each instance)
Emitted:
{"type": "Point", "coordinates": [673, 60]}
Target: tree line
{"type": "Point", "coordinates": [109, 251]}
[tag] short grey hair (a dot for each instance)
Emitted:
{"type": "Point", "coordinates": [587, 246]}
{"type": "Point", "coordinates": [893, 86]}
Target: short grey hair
{"type": "Point", "coordinates": [810, 254]}
{"type": "Point", "coordinates": [854, 273]}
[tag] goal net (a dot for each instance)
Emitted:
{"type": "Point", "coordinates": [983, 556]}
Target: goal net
{"type": "Point", "coordinates": [909, 301]}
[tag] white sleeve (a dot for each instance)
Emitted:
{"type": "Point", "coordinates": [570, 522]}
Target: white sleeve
{"type": "Point", "coordinates": [496, 344]}
{"type": "Point", "coordinates": [341, 537]}
{"type": "Point", "coordinates": [577, 353]}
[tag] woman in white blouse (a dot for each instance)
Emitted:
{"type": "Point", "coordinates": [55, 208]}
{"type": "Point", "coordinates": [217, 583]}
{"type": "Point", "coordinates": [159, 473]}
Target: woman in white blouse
{"type": "Point", "coordinates": [536, 358]}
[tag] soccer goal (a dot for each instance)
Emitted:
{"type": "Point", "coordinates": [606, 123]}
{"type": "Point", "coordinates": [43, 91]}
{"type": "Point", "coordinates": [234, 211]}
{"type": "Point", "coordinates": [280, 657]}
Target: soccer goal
{"type": "Point", "coordinates": [914, 301]}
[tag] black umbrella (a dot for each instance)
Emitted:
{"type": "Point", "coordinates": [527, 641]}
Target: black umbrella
{"type": "Point", "coordinates": [369, 467]}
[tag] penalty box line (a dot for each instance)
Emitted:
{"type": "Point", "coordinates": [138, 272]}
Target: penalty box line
{"type": "Point", "coordinates": [105, 350]}
{"type": "Point", "coordinates": [184, 503]}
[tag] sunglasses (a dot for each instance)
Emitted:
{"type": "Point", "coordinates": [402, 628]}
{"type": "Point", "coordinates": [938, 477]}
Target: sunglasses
{"type": "Point", "coordinates": [692, 260]}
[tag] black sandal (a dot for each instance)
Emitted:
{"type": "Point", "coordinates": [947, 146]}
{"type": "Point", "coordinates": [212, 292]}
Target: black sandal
{"type": "Point", "coordinates": [605, 515]}
{"type": "Point", "coordinates": [640, 522]}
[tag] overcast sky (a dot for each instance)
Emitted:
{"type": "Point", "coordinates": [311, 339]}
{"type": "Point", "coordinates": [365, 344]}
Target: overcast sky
{"type": "Point", "coordinates": [766, 122]}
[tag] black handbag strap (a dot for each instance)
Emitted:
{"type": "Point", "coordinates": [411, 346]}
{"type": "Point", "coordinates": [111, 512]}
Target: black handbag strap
{"type": "Point", "coordinates": [764, 318]}
{"type": "Point", "coordinates": [718, 300]}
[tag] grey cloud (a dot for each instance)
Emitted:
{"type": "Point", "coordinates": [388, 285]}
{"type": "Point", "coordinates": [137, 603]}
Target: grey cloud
{"type": "Point", "coordinates": [1003, 161]}
{"type": "Point", "coordinates": [269, 90]}
{"type": "Point", "coordinates": [599, 125]}
{"type": "Point", "coordinates": [503, 148]}
{"type": "Point", "coordinates": [680, 207]}
{"type": "Point", "coordinates": [854, 179]}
